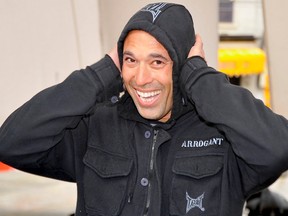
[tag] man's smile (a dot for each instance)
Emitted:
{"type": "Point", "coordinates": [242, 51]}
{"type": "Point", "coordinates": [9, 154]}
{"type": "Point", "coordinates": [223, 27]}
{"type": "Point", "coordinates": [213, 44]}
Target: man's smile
{"type": "Point", "coordinates": [147, 97]}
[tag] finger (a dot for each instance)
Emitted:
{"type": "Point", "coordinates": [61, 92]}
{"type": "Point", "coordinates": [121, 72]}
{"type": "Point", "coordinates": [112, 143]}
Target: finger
{"type": "Point", "coordinates": [200, 45]}
{"type": "Point", "coordinates": [198, 41]}
{"type": "Point", "coordinates": [114, 56]}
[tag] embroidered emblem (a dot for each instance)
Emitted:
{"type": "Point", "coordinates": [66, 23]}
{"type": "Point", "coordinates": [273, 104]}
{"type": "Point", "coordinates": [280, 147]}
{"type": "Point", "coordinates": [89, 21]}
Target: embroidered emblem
{"type": "Point", "coordinates": [192, 203]}
{"type": "Point", "coordinates": [154, 9]}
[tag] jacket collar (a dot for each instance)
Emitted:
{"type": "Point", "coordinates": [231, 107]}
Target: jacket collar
{"type": "Point", "coordinates": [127, 110]}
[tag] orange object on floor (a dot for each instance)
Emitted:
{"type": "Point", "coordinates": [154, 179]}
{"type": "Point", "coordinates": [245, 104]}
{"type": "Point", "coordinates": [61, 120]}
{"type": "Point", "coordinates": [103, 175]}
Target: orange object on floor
{"type": "Point", "coordinates": [4, 167]}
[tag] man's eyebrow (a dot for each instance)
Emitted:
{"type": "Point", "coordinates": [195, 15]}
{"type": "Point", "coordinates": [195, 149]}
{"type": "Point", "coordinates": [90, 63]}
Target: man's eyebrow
{"type": "Point", "coordinates": [128, 53]}
{"type": "Point", "coordinates": [152, 55]}
{"type": "Point", "coordinates": [157, 55]}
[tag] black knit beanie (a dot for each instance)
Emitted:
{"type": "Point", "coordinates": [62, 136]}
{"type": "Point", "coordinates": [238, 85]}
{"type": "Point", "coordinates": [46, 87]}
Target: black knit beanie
{"type": "Point", "coordinates": [172, 26]}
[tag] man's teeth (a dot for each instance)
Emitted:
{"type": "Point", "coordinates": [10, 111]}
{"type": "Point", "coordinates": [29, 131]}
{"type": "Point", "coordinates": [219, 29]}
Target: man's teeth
{"type": "Point", "coordinates": [148, 96]}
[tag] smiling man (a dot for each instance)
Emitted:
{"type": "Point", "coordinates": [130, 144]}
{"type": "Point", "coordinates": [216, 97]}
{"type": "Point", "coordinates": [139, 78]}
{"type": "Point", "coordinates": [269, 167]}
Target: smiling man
{"type": "Point", "coordinates": [181, 140]}
{"type": "Point", "coordinates": [147, 75]}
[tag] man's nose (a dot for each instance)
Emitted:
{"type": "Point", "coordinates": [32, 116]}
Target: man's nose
{"type": "Point", "coordinates": [143, 75]}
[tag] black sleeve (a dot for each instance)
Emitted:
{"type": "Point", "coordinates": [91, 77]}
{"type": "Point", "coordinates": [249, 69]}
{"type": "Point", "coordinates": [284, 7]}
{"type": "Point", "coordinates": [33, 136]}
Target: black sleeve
{"type": "Point", "coordinates": [258, 136]}
{"type": "Point", "coordinates": [29, 135]}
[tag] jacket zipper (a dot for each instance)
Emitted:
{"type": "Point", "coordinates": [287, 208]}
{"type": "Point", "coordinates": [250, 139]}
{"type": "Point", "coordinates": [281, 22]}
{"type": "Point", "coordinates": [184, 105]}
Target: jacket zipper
{"type": "Point", "coordinates": [134, 176]}
{"type": "Point", "coordinates": [131, 191]}
{"type": "Point", "coordinates": [151, 170]}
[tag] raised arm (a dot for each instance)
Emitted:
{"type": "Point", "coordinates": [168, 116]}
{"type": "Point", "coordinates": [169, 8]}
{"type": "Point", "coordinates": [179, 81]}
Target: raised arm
{"type": "Point", "coordinates": [29, 136]}
{"type": "Point", "coordinates": [258, 136]}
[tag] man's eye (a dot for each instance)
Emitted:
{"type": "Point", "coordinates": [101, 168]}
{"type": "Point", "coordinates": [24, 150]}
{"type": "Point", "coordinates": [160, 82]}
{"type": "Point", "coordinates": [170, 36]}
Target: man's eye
{"type": "Point", "coordinates": [129, 60]}
{"type": "Point", "coordinates": [158, 64]}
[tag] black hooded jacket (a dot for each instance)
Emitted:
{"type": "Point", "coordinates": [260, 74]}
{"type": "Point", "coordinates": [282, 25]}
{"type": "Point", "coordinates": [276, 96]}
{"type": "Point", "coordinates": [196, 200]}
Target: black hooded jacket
{"type": "Point", "coordinates": [205, 161]}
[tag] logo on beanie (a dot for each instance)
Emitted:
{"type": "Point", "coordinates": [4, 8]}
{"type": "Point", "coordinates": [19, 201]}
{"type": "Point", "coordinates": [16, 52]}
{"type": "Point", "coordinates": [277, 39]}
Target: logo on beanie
{"type": "Point", "coordinates": [154, 9]}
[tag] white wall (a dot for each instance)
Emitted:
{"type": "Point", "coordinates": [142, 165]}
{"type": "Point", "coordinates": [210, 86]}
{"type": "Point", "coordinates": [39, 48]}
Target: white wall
{"type": "Point", "coordinates": [41, 42]}
{"type": "Point", "coordinates": [276, 35]}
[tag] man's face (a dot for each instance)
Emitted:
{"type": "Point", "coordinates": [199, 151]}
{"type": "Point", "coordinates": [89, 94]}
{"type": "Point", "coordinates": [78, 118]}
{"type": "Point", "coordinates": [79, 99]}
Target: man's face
{"type": "Point", "coordinates": [147, 75]}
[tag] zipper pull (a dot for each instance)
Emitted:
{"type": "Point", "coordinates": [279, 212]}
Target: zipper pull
{"type": "Point", "coordinates": [130, 197]}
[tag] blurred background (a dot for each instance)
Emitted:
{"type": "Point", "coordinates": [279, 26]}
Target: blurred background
{"type": "Point", "coordinates": [43, 41]}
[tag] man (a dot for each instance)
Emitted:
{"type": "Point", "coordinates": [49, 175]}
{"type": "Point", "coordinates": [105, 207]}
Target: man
{"type": "Point", "coordinates": [181, 140]}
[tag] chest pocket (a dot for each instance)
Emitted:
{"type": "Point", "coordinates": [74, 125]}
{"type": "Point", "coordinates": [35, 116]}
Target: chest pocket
{"type": "Point", "coordinates": [196, 185]}
{"type": "Point", "coordinates": [106, 179]}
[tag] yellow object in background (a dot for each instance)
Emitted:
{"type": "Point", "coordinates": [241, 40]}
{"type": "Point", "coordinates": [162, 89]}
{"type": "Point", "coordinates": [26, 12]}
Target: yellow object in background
{"type": "Point", "coordinates": [241, 61]}
{"type": "Point", "coordinates": [267, 97]}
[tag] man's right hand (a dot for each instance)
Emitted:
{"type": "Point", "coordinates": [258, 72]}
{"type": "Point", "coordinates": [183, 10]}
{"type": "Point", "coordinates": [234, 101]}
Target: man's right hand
{"type": "Point", "coordinates": [114, 56]}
